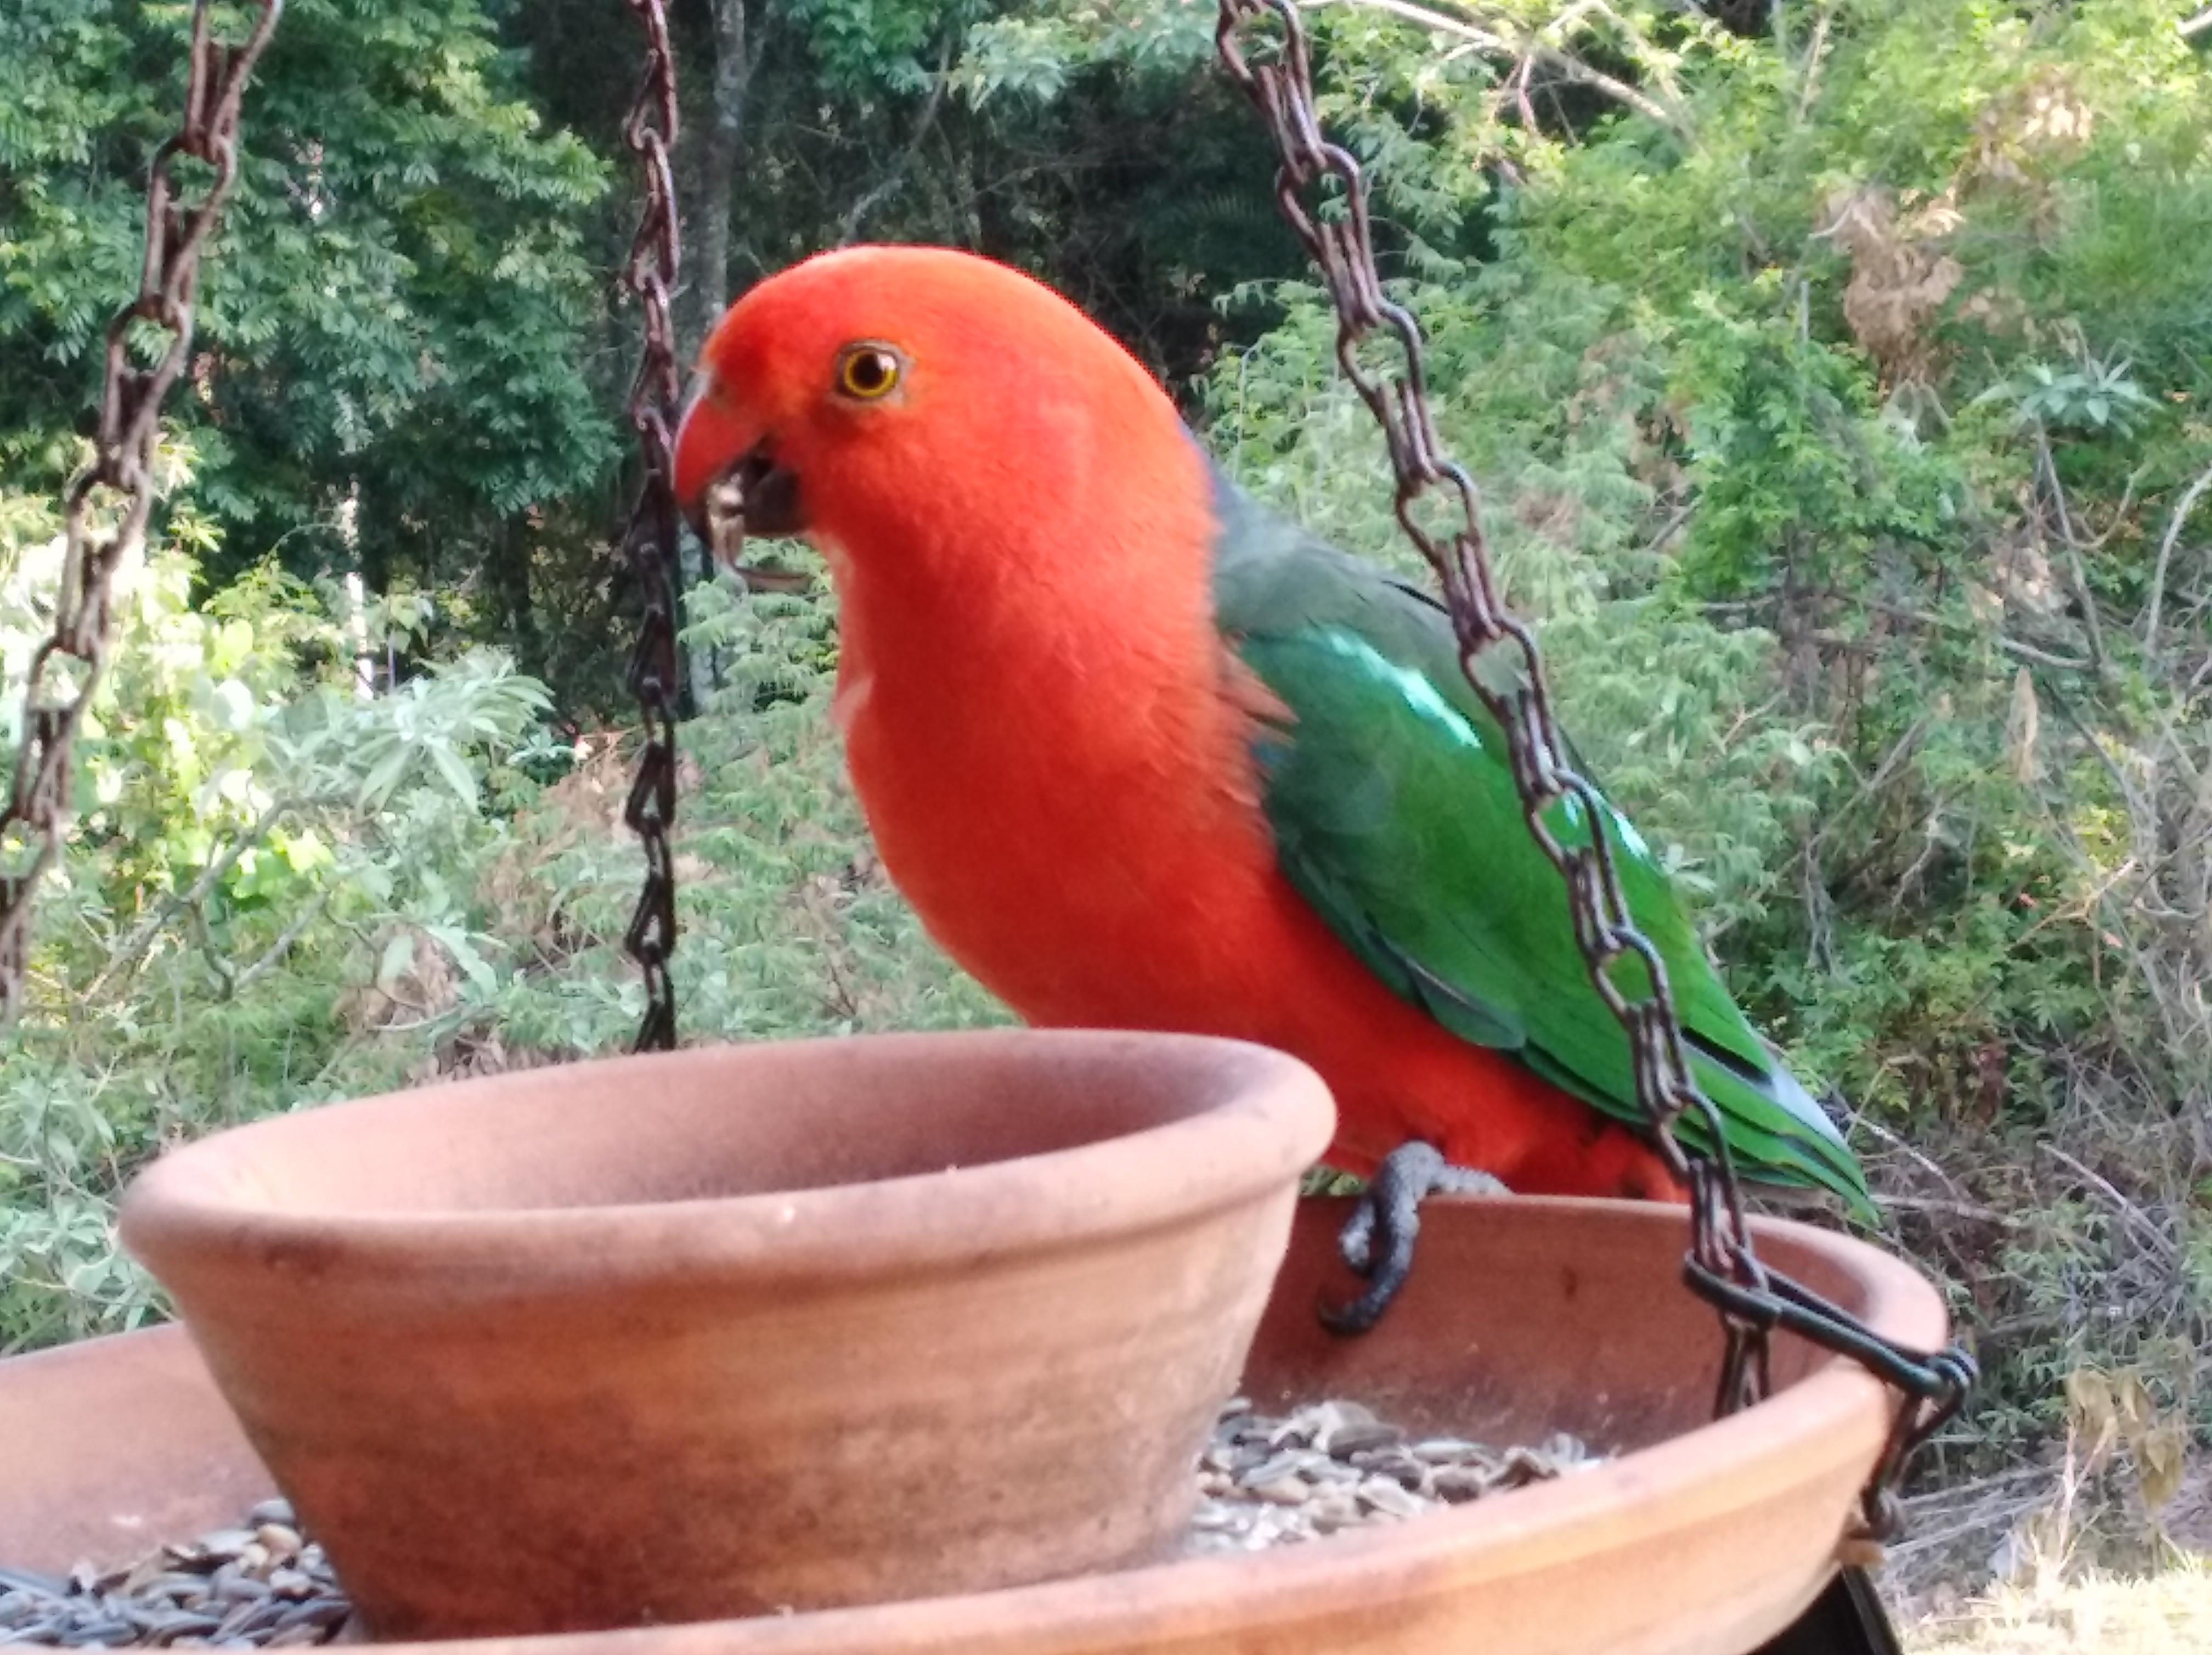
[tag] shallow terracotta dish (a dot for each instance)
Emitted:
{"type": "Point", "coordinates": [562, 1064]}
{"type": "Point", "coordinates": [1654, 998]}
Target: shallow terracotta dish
{"type": "Point", "coordinates": [743, 1329]}
{"type": "Point", "coordinates": [1523, 1317]}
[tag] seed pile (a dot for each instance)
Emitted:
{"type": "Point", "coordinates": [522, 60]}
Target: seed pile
{"type": "Point", "coordinates": [1267, 1481]}
{"type": "Point", "coordinates": [1262, 1481]}
{"type": "Point", "coordinates": [261, 1585]}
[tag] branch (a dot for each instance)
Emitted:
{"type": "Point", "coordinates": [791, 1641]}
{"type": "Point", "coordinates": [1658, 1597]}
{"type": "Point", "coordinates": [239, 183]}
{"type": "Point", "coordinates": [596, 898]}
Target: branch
{"type": "Point", "coordinates": [126, 960]}
{"type": "Point", "coordinates": [1435, 22]}
{"type": "Point", "coordinates": [2191, 27]}
{"type": "Point", "coordinates": [1870, 785]}
{"type": "Point", "coordinates": [1965, 629]}
{"type": "Point", "coordinates": [2112, 765]}
{"type": "Point", "coordinates": [1565, 63]}
{"type": "Point", "coordinates": [2072, 544]}
{"type": "Point", "coordinates": [290, 934]}
{"type": "Point", "coordinates": [1931, 828]}
{"type": "Point", "coordinates": [1972, 1211]}
{"type": "Point", "coordinates": [1638, 48]}
{"type": "Point", "coordinates": [2165, 547]}
{"type": "Point", "coordinates": [1859, 1118]}
{"type": "Point", "coordinates": [888, 184]}
{"type": "Point", "coordinates": [2138, 1220]}
{"type": "Point", "coordinates": [2045, 658]}
{"type": "Point", "coordinates": [1813, 56]}
{"type": "Point", "coordinates": [1671, 527]}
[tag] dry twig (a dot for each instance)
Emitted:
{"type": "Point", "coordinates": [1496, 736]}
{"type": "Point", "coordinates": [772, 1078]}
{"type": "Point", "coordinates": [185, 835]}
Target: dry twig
{"type": "Point", "coordinates": [2072, 544]}
{"type": "Point", "coordinates": [1535, 49]}
{"type": "Point", "coordinates": [2135, 1219]}
{"type": "Point", "coordinates": [2181, 511]}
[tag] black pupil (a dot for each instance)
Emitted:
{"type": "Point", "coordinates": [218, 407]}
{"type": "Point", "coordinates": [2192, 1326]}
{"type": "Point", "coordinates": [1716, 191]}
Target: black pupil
{"type": "Point", "coordinates": [870, 371]}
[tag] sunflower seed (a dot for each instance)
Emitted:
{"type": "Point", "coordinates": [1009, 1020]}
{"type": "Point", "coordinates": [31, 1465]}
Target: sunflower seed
{"type": "Point", "coordinates": [254, 1586]}
{"type": "Point", "coordinates": [1360, 1436]}
{"type": "Point", "coordinates": [1331, 1466]}
{"type": "Point", "coordinates": [1262, 1480]}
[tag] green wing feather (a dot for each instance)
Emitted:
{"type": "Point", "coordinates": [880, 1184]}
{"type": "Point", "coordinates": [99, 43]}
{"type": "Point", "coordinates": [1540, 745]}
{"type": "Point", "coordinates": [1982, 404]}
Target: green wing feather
{"type": "Point", "coordinates": [1394, 813]}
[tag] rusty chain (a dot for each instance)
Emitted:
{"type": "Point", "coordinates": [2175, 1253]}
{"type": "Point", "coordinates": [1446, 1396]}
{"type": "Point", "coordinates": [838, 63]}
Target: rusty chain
{"type": "Point", "coordinates": [68, 666]}
{"type": "Point", "coordinates": [651, 538]}
{"type": "Point", "coordinates": [1262, 44]}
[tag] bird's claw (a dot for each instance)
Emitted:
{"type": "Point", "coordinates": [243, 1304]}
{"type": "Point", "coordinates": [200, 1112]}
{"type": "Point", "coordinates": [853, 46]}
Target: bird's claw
{"type": "Point", "coordinates": [1377, 1241]}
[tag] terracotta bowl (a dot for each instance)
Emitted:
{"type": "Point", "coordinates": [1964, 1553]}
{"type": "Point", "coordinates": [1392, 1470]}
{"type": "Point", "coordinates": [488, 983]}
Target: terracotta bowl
{"type": "Point", "coordinates": [1523, 1318]}
{"type": "Point", "coordinates": [745, 1329]}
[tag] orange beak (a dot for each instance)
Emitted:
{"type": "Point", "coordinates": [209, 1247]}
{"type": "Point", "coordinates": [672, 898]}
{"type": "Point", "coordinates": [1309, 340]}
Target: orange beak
{"type": "Point", "coordinates": [709, 441]}
{"type": "Point", "coordinates": [718, 450]}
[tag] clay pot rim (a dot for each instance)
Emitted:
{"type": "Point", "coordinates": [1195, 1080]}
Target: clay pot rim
{"type": "Point", "coordinates": [1828, 1418]}
{"type": "Point", "coordinates": [1274, 1118]}
{"type": "Point", "coordinates": [1832, 1416]}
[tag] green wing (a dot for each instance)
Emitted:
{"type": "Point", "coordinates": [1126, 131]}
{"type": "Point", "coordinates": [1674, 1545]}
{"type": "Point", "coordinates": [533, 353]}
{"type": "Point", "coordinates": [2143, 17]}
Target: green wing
{"type": "Point", "coordinates": [1394, 813]}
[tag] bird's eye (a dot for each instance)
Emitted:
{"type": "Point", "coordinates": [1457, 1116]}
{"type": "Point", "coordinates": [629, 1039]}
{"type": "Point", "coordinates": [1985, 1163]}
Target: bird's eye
{"type": "Point", "coordinates": [868, 373]}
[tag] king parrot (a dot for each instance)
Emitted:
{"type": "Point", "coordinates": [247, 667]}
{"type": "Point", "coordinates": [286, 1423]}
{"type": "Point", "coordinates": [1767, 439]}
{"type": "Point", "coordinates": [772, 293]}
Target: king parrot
{"type": "Point", "coordinates": [1143, 755]}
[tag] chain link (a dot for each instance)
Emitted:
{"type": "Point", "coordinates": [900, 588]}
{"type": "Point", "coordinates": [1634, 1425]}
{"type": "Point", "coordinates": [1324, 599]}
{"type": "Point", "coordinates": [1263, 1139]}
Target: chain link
{"type": "Point", "coordinates": [651, 538]}
{"type": "Point", "coordinates": [66, 670]}
{"type": "Point", "coordinates": [1322, 191]}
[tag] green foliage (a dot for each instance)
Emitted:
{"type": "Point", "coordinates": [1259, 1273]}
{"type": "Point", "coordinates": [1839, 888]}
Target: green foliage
{"type": "Point", "coordinates": [2084, 401]}
{"type": "Point", "coordinates": [393, 329]}
{"type": "Point", "coordinates": [244, 822]}
{"type": "Point", "coordinates": [1796, 480]}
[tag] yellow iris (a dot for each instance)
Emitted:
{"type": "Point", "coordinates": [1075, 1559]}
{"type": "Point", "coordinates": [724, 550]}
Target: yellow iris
{"type": "Point", "coordinates": [868, 373]}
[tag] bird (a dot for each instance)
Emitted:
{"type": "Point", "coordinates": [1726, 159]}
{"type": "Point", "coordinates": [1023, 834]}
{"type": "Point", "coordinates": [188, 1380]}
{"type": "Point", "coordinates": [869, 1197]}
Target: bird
{"type": "Point", "coordinates": [1142, 753]}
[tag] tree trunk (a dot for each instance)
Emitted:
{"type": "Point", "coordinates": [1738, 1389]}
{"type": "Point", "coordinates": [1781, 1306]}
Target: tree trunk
{"type": "Point", "coordinates": [511, 574]}
{"type": "Point", "coordinates": [723, 148]}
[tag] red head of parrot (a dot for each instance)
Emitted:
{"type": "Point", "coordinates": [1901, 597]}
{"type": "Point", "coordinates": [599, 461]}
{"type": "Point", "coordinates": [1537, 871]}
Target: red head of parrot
{"type": "Point", "coordinates": [925, 400]}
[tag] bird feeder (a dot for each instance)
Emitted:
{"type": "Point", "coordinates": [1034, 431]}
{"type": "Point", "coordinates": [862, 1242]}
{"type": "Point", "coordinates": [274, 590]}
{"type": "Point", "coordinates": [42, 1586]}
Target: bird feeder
{"type": "Point", "coordinates": [497, 1342]}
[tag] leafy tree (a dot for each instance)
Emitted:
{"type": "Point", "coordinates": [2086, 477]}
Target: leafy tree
{"type": "Point", "coordinates": [394, 370]}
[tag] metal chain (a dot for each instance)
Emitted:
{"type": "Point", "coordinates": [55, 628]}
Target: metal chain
{"type": "Point", "coordinates": [651, 538]}
{"type": "Point", "coordinates": [67, 668]}
{"type": "Point", "coordinates": [1262, 44]}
